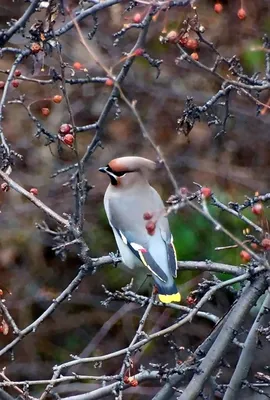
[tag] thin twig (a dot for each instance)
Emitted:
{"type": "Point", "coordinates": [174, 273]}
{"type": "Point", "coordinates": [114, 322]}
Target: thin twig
{"type": "Point", "coordinates": [47, 210]}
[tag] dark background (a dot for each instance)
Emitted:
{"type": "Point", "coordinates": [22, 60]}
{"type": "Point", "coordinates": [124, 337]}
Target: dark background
{"type": "Point", "coordinates": [234, 165]}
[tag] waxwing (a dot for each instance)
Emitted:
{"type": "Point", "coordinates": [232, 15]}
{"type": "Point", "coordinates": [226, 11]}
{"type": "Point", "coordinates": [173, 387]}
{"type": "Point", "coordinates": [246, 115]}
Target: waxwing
{"type": "Point", "coordinates": [137, 216]}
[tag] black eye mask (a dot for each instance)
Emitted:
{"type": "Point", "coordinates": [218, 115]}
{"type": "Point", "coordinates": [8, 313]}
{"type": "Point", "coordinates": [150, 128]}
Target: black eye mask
{"type": "Point", "coordinates": [119, 173]}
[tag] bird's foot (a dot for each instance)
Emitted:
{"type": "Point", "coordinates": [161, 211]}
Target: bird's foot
{"type": "Point", "coordinates": [116, 259]}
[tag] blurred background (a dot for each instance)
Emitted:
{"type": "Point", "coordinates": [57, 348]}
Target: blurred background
{"type": "Point", "coordinates": [234, 165]}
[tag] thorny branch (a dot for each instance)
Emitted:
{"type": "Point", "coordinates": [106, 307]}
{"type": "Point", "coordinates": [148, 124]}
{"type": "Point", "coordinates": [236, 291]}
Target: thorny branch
{"type": "Point", "coordinates": [209, 354]}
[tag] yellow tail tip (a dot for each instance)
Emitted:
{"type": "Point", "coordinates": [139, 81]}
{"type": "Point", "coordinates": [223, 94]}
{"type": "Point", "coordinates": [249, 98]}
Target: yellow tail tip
{"type": "Point", "coordinates": [169, 298]}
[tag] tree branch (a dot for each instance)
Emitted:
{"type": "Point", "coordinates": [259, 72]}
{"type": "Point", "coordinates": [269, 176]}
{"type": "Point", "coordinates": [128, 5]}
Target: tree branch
{"type": "Point", "coordinates": [229, 331]}
{"type": "Point", "coordinates": [247, 354]}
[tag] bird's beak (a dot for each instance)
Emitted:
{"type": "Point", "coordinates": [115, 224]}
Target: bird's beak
{"type": "Point", "coordinates": [103, 169]}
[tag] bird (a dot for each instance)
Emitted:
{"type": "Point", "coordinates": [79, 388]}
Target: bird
{"type": "Point", "coordinates": [137, 216]}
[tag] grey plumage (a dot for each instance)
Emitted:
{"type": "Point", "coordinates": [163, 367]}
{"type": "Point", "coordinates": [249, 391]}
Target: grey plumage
{"type": "Point", "coordinates": [127, 200]}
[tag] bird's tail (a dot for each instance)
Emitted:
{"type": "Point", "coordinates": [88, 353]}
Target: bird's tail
{"type": "Point", "coordinates": [167, 291]}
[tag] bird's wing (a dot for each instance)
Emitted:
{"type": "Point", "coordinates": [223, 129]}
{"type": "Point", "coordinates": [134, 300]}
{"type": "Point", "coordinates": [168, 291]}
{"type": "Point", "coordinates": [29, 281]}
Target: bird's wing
{"type": "Point", "coordinates": [163, 226]}
{"type": "Point", "coordinates": [133, 234]}
{"type": "Point", "coordinates": [142, 253]}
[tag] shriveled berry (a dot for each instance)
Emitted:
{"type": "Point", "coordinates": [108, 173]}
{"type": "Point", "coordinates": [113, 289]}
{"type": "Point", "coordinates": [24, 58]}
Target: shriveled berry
{"type": "Point", "coordinates": [57, 98]}
{"type": "Point", "coordinates": [109, 82]}
{"type": "Point", "coordinates": [257, 209]}
{"type": "Point", "coordinates": [266, 243]}
{"type": "Point", "coordinates": [4, 187]}
{"type": "Point", "coordinates": [147, 216]}
{"type": "Point", "coordinates": [137, 18]}
{"type": "Point", "coordinates": [245, 256]}
{"type": "Point", "coordinates": [201, 29]}
{"type": "Point", "coordinates": [68, 139]}
{"type": "Point", "coordinates": [2, 84]}
{"type": "Point", "coordinates": [241, 13]}
{"type": "Point", "coordinates": [138, 52]}
{"type": "Point", "coordinates": [183, 191]}
{"type": "Point", "coordinates": [35, 48]}
{"type": "Point", "coordinates": [5, 327]}
{"type": "Point", "coordinates": [15, 83]}
{"type": "Point", "coordinates": [195, 56]}
{"type": "Point", "coordinates": [64, 129]}
{"type": "Point", "coordinates": [155, 289]}
{"type": "Point", "coordinates": [206, 192]}
{"type": "Point", "coordinates": [172, 36]}
{"type": "Point", "coordinates": [192, 44]}
{"type": "Point", "coordinates": [34, 191]}
{"type": "Point", "coordinates": [150, 227]}
{"type": "Point", "coordinates": [45, 111]}
{"type": "Point", "coordinates": [77, 65]}
{"type": "Point", "coordinates": [218, 7]}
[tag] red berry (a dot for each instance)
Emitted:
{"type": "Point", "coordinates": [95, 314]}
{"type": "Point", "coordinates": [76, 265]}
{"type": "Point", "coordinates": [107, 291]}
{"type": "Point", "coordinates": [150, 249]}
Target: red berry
{"type": "Point", "coordinates": [34, 191]}
{"type": "Point", "coordinates": [245, 256]}
{"type": "Point", "coordinates": [1, 292]}
{"type": "Point", "coordinates": [266, 243]}
{"type": "Point", "coordinates": [17, 73]}
{"type": "Point", "coordinates": [192, 44]}
{"type": "Point", "coordinates": [35, 48]}
{"type": "Point", "coordinates": [218, 8]}
{"type": "Point", "coordinates": [172, 36]}
{"type": "Point", "coordinates": [126, 380]}
{"type": "Point", "coordinates": [138, 52]}
{"type": "Point", "coordinates": [15, 83]}
{"type": "Point", "coordinates": [150, 227]}
{"type": "Point", "coordinates": [206, 192]}
{"type": "Point", "coordinates": [195, 56]}
{"type": "Point", "coordinates": [2, 84]}
{"type": "Point", "coordinates": [57, 98]}
{"type": "Point", "coordinates": [190, 300]}
{"type": "Point", "coordinates": [69, 139]}
{"type": "Point", "coordinates": [137, 18]}
{"type": "Point", "coordinates": [254, 246]}
{"type": "Point", "coordinates": [4, 187]}
{"type": "Point", "coordinates": [147, 216]}
{"type": "Point", "coordinates": [109, 82]}
{"type": "Point", "coordinates": [65, 129]}
{"type": "Point", "coordinates": [257, 209]}
{"type": "Point", "coordinates": [241, 14]}
{"type": "Point", "coordinates": [45, 111]}
{"type": "Point", "coordinates": [134, 382]}
{"type": "Point", "coordinates": [77, 65]}
{"type": "Point", "coordinates": [183, 40]}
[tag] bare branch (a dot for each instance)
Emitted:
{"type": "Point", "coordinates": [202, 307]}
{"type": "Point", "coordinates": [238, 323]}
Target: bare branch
{"type": "Point", "coordinates": [247, 355]}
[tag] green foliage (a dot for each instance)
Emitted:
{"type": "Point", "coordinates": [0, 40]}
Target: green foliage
{"type": "Point", "coordinates": [253, 59]}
